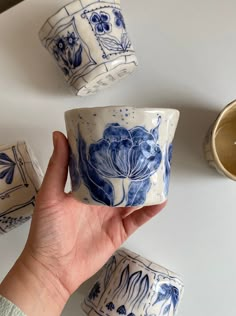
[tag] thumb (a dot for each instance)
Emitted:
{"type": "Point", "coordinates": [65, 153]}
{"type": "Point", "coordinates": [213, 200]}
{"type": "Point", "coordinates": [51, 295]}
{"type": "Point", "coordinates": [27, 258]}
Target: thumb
{"type": "Point", "coordinates": [53, 186]}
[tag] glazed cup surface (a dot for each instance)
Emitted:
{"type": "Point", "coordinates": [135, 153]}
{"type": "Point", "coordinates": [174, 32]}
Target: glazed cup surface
{"type": "Point", "coordinates": [90, 43]}
{"type": "Point", "coordinates": [20, 180]}
{"type": "Point", "coordinates": [133, 285]}
{"type": "Point", "coordinates": [121, 156]}
{"type": "Point", "coordinates": [220, 143]}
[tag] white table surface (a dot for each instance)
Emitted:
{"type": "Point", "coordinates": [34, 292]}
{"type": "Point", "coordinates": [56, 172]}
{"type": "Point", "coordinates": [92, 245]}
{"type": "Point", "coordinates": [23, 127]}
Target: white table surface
{"type": "Point", "coordinates": [187, 55]}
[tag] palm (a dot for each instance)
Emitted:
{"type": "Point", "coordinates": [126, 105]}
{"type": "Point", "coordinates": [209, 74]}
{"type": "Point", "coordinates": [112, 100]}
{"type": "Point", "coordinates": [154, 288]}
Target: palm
{"type": "Point", "coordinates": [74, 240]}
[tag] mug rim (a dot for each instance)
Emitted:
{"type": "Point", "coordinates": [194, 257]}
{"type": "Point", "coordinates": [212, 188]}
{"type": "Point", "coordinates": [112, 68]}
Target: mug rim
{"type": "Point", "coordinates": [121, 106]}
{"type": "Point", "coordinates": [213, 142]}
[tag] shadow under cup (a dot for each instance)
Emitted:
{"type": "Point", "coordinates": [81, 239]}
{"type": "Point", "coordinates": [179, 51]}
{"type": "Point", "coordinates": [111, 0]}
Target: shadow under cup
{"type": "Point", "coordinates": [89, 41]}
{"type": "Point", "coordinates": [121, 156]}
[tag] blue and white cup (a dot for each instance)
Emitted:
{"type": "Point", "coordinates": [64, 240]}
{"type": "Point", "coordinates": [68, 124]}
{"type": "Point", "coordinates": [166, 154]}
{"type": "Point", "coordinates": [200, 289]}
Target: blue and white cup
{"type": "Point", "coordinates": [20, 180]}
{"type": "Point", "coordinates": [121, 156]}
{"type": "Point", "coordinates": [89, 41]}
{"type": "Point", "coordinates": [134, 286]}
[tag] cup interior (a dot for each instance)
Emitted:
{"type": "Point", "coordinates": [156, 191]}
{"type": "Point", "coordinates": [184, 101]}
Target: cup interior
{"type": "Point", "coordinates": [225, 139]}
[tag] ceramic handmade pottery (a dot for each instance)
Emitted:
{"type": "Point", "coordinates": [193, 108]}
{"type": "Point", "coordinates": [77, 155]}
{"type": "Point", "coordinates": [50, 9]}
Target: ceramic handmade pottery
{"type": "Point", "coordinates": [120, 156]}
{"type": "Point", "coordinates": [89, 41]}
{"type": "Point", "coordinates": [134, 286]}
{"type": "Point", "coordinates": [20, 179]}
{"type": "Point", "coordinates": [220, 143]}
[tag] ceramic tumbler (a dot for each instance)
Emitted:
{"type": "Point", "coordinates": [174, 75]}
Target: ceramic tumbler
{"type": "Point", "coordinates": [89, 41]}
{"type": "Point", "coordinates": [132, 285]}
{"type": "Point", "coordinates": [220, 143]}
{"type": "Point", "coordinates": [20, 180]}
{"type": "Point", "coordinates": [121, 156]}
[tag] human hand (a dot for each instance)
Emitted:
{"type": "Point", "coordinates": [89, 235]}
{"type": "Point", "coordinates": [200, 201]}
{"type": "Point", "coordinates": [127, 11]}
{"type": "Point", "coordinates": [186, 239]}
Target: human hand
{"type": "Point", "coordinates": [70, 241]}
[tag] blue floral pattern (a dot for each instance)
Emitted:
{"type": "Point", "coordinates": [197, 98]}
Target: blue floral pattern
{"type": "Point", "coordinates": [101, 22]}
{"type": "Point", "coordinates": [7, 168]}
{"type": "Point", "coordinates": [168, 159]}
{"type": "Point", "coordinates": [68, 52]}
{"type": "Point", "coordinates": [121, 154]}
{"type": "Point", "coordinates": [119, 19]}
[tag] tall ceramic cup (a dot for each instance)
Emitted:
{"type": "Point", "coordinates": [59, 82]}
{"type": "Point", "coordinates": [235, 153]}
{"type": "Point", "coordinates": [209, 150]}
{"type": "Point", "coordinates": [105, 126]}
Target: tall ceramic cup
{"type": "Point", "coordinates": [120, 156]}
{"type": "Point", "coordinates": [220, 143]}
{"type": "Point", "coordinates": [89, 41]}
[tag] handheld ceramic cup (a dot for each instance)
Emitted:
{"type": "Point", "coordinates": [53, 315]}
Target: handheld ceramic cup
{"type": "Point", "coordinates": [134, 286]}
{"type": "Point", "coordinates": [20, 180]}
{"type": "Point", "coordinates": [89, 41]}
{"type": "Point", "coordinates": [220, 143]}
{"type": "Point", "coordinates": [121, 156]}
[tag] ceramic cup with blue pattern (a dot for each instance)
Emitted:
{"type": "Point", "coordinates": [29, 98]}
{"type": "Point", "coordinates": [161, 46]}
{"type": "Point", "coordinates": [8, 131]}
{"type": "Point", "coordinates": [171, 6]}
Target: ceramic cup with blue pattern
{"type": "Point", "coordinates": [121, 156]}
{"type": "Point", "coordinates": [134, 286]}
{"type": "Point", "coordinates": [89, 41]}
{"type": "Point", "coordinates": [20, 180]}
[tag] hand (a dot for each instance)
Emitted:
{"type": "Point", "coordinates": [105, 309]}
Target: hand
{"type": "Point", "coordinates": [70, 241]}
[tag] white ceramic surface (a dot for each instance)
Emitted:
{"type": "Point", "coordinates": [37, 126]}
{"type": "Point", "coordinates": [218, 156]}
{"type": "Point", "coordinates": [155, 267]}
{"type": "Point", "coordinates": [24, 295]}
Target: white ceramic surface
{"type": "Point", "coordinates": [121, 156]}
{"type": "Point", "coordinates": [134, 286]}
{"type": "Point", "coordinates": [220, 152]}
{"type": "Point", "coordinates": [20, 180]}
{"type": "Point", "coordinates": [89, 41]}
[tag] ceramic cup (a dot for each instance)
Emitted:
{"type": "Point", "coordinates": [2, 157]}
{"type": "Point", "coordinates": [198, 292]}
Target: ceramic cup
{"type": "Point", "coordinates": [220, 143]}
{"type": "Point", "coordinates": [89, 41]}
{"type": "Point", "coordinates": [120, 156]}
{"type": "Point", "coordinates": [134, 286]}
{"type": "Point", "coordinates": [20, 180]}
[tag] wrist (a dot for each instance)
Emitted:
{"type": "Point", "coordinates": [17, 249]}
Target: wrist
{"type": "Point", "coordinates": [33, 288]}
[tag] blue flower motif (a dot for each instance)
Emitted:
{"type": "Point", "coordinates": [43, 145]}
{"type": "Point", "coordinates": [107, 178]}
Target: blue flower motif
{"type": "Point", "coordinates": [95, 291]}
{"type": "Point", "coordinates": [121, 310]}
{"type": "Point", "coordinates": [110, 306]}
{"type": "Point", "coordinates": [7, 168]}
{"type": "Point", "coordinates": [119, 19]}
{"type": "Point", "coordinates": [123, 154]}
{"type": "Point", "coordinates": [168, 158]}
{"type": "Point", "coordinates": [71, 39]}
{"type": "Point", "coordinates": [60, 44]}
{"type": "Point", "coordinates": [101, 22]}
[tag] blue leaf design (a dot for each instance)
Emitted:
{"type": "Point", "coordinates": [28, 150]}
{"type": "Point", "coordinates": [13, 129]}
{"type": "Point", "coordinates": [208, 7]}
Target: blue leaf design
{"type": "Point", "coordinates": [100, 189]}
{"type": "Point", "coordinates": [110, 269]}
{"type": "Point", "coordinates": [137, 192]}
{"type": "Point", "coordinates": [155, 131]}
{"type": "Point", "coordinates": [111, 43]}
{"type": "Point", "coordinates": [166, 309]}
{"type": "Point", "coordinates": [78, 57]}
{"type": "Point", "coordinates": [142, 292]}
{"type": "Point", "coordinates": [4, 159]}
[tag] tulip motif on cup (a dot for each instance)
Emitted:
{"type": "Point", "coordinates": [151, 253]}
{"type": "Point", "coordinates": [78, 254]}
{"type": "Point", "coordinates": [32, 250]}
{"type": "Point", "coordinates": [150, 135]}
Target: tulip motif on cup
{"type": "Point", "coordinates": [122, 154]}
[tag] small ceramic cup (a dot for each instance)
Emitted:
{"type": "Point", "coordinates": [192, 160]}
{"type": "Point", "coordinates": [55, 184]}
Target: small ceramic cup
{"type": "Point", "coordinates": [121, 156]}
{"type": "Point", "coordinates": [220, 143]}
{"type": "Point", "coordinates": [89, 41]}
{"type": "Point", "coordinates": [134, 286]}
{"type": "Point", "coordinates": [20, 180]}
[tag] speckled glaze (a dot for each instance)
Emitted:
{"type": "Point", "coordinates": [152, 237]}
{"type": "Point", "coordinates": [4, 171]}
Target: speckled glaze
{"type": "Point", "coordinates": [211, 147]}
{"type": "Point", "coordinates": [20, 180]}
{"type": "Point", "coordinates": [89, 41]}
{"type": "Point", "coordinates": [134, 286]}
{"type": "Point", "coordinates": [121, 156]}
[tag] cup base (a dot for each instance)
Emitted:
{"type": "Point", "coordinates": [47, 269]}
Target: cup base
{"type": "Point", "coordinates": [106, 79]}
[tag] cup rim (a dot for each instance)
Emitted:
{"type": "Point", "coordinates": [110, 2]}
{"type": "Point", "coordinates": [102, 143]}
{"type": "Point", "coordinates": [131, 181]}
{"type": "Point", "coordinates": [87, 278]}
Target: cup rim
{"type": "Point", "coordinates": [122, 106]}
{"type": "Point", "coordinates": [213, 142]}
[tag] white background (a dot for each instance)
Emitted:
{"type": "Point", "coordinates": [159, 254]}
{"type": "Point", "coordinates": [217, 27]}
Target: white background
{"type": "Point", "coordinates": [187, 56]}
